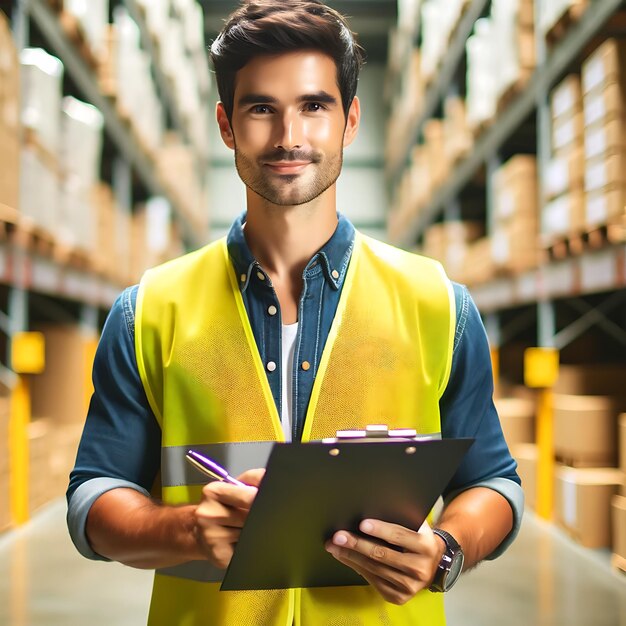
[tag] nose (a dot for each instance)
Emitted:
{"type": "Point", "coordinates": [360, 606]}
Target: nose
{"type": "Point", "coordinates": [289, 134]}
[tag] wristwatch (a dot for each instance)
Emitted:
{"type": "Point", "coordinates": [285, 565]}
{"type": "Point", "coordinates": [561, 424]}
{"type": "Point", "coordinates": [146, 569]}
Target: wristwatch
{"type": "Point", "coordinates": [450, 565]}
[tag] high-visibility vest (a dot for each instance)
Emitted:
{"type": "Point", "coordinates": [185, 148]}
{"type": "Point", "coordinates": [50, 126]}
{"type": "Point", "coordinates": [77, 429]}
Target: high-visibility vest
{"type": "Point", "coordinates": [387, 360]}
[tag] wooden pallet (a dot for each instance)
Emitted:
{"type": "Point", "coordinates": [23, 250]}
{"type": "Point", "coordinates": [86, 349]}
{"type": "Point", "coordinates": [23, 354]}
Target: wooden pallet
{"type": "Point", "coordinates": [571, 15]}
{"type": "Point", "coordinates": [618, 563]}
{"type": "Point", "coordinates": [598, 237]}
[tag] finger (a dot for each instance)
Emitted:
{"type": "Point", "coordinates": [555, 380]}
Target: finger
{"type": "Point", "coordinates": [406, 577]}
{"type": "Point", "coordinates": [230, 495]}
{"type": "Point", "coordinates": [252, 477]}
{"type": "Point", "coordinates": [373, 550]}
{"type": "Point", "coordinates": [210, 512]}
{"type": "Point", "coordinates": [389, 591]}
{"type": "Point", "coordinates": [416, 542]}
{"type": "Point", "coordinates": [220, 534]}
{"type": "Point", "coordinates": [221, 555]}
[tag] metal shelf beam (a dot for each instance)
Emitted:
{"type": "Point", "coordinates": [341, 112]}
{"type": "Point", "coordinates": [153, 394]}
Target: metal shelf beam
{"type": "Point", "coordinates": [559, 59]}
{"type": "Point", "coordinates": [83, 76]}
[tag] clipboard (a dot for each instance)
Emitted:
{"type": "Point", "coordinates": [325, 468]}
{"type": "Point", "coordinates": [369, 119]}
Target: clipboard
{"type": "Point", "coordinates": [311, 490]}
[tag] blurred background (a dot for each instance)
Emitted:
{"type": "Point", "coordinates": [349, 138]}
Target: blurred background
{"type": "Point", "coordinates": [493, 139]}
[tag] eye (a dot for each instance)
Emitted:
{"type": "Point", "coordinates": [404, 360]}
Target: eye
{"type": "Point", "coordinates": [314, 106]}
{"type": "Point", "coordinates": [262, 109]}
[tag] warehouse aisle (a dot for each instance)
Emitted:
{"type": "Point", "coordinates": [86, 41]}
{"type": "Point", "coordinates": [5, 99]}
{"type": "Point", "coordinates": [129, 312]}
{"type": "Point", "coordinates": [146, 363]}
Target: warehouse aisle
{"type": "Point", "coordinates": [544, 580]}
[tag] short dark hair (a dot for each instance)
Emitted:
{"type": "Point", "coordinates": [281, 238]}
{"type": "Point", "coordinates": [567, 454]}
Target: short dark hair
{"type": "Point", "coordinates": [266, 27]}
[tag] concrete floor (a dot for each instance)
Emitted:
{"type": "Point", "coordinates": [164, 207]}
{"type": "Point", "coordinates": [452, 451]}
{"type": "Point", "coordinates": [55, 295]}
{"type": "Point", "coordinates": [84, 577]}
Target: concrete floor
{"type": "Point", "coordinates": [543, 580]}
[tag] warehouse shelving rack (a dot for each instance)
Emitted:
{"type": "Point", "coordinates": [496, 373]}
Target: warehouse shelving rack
{"type": "Point", "coordinates": [38, 283]}
{"type": "Point", "coordinates": [592, 282]}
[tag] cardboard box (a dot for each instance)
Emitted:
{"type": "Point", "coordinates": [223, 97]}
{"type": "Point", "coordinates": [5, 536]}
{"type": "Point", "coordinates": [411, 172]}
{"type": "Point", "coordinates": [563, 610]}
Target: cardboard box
{"type": "Point", "coordinates": [604, 104]}
{"type": "Point", "coordinates": [9, 168]}
{"type": "Point", "coordinates": [62, 392]}
{"type": "Point", "coordinates": [602, 206]}
{"type": "Point", "coordinates": [585, 429]}
{"type": "Point", "coordinates": [583, 503]}
{"type": "Point", "coordinates": [618, 507]}
{"type": "Point", "coordinates": [9, 79]}
{"type": "Point", "coordinates": [517, 418]}
{"type": "Point", "coordinates": [606, 65]}
{"type": "Point", "coordinates": [566, 98]}
{"type": "Point", "coordinates": [565, 172]}
{"type": "Point", "coordinates": [568, 132]}
{"type": "Point", "coordinates": [605, 139]}
{"type": "Point", "coordinates": [589, 380]}
{"type": "Point", "coordinates": [605, 173]}
{"type": "Point", "coordinates": [526, 455]}
{"type": "Point", "coordinates": [564, 214]}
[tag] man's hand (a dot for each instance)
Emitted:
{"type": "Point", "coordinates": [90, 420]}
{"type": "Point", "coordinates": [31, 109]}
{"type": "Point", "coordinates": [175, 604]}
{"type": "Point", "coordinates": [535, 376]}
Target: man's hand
{"type": "Point", "coordinates": [222, 513]}
{"type": "Point", "coordinates": [397, 574]}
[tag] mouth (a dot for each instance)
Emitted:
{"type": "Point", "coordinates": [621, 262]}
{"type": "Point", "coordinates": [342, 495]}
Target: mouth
{"type": "Point", "coordinates": [288, 167]}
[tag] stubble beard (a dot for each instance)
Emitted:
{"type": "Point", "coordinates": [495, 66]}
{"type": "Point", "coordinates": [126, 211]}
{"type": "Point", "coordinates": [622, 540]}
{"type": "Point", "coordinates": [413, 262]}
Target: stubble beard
{"type": "Point", "coordinates": [289, 190]}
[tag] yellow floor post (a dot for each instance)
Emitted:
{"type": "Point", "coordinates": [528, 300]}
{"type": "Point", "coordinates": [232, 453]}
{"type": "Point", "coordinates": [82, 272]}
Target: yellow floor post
{"type": "Point", "coordinates": [18, 442]}
{"type": "Point", "coordinates": [545, 448]}
{"type": "Point", "coordinates": [541, 371]}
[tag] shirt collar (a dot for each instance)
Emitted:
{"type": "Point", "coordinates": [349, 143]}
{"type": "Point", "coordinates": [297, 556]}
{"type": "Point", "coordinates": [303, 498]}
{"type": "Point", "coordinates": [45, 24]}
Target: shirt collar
{"type": "Point", "coordinates": [333, 257]}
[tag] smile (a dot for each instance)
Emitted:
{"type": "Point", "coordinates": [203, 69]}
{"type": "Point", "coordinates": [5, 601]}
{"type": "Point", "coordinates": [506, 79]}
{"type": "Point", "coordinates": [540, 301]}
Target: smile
{"type": "Point", "coordinates": [288, 167]}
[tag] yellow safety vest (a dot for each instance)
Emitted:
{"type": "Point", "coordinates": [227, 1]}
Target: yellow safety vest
{"type": "Point", "coordinates": [387, 360]}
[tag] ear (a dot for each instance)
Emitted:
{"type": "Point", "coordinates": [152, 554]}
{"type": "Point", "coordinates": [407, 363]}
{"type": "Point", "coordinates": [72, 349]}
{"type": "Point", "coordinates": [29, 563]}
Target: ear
{"type": "Point", "coordinates": [352, 122]}
{"type": "Point", "coordinates": [225, 129]}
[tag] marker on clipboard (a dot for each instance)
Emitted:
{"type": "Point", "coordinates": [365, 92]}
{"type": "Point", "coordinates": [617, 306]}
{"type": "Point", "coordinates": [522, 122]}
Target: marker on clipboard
{"type": "Point", "coordinates": [211, 468]}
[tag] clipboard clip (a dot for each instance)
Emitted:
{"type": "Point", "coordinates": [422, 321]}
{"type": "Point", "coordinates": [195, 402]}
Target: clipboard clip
{"type": "Point", "coordinates": [376, 433]}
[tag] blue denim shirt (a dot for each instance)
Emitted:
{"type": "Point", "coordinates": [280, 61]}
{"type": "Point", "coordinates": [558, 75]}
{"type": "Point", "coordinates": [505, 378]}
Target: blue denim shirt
{"type": "Point", "coordinates": [121, 442]}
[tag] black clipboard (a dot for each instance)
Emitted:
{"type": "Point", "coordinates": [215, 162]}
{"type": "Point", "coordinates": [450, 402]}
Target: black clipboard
{"type": "Point", "coordinates": [311, 490]}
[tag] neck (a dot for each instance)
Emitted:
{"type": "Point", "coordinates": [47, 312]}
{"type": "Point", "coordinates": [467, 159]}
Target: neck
{"type": "Point", "coordinates": [284, 238]}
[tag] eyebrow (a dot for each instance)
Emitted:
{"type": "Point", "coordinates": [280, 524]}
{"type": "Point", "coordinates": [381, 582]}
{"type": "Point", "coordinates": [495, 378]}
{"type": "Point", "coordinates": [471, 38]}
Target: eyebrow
{"type": "Point", "coordinates": [257, 98]}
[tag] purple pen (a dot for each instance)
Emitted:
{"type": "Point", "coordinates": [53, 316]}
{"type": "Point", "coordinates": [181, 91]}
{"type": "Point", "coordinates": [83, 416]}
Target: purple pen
{"type": "Point", "coordinates": [211, 468]}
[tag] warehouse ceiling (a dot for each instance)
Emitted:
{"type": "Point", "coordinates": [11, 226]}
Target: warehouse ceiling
{"type": "Point", "coordinates": [370, 19]}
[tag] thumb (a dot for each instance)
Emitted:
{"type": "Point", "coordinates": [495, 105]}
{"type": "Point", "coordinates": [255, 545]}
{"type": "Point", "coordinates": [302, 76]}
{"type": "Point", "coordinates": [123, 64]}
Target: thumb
{"type": "Point", "coordinates": [252, 477]}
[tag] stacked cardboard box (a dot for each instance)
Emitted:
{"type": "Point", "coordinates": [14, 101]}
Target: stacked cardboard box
{"type": "Point", "coordinates": [42, 77]}
{"type": "Point", "coordinates": [552, 11]}
{"type": "Point", "coordinates": [563, 212]}
{"type": "Point", "coordinates": [9, 117]}
{"type": "Point", "coordinates": [458, 139]}
{"type": "Point", "coordinates": [93, 18]}
{"type": "Point", "coordinates": [62, 392]}
{"type": "Point", "coordinates": [526, 455]}
{"type": "Point", "coordinates": [587, 401]}
{"type": "Point", "coordinates": [480, 267]}
{"type": "Point", "coordinates": [618, 504]}
{"type": "Point", "coordinates": [514, 32]}
{"type": "Point", "coordinates": [583, 503]}
{"type": "Point", "coordinates": [449, 243]}
{"type": "Point", "coordinates": [514, 235]}
{"type": "Point", "coordinates": [604, 103]}
{"type": "Point", "coordinates": [517, 418]}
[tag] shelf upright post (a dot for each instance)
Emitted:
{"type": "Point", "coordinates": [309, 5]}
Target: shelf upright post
{"type": "Point", "coordinates": [494, 334]}
{"type": "Point", "coordinates": [20, 24]}
{"type": "Point", "coordinates": [493, 164]}
{"type": "Point", "coordinates": [546, 324]}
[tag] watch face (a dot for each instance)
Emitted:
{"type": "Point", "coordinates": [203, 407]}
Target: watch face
{"type": "Point", "coordinates": [455, 570]}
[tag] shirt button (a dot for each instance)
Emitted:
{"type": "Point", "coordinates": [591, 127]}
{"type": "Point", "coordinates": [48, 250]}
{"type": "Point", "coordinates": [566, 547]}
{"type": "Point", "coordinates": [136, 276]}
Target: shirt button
{"type": "Point", "coordinates": [260, 275]}
{"type": "Point", "coordinates": [306, 366]}
{"type": "Point", "coordinates": [271, 366]}
{"type": "Point", "coordinates": [335, 274]}
{"type": "Point", "coordinates": [242, 278]}
{"type": "Point", "coordinates": [272, 310]}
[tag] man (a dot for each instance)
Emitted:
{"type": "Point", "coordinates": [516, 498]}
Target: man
{"type": "Point", "coordinates": [291, 328]}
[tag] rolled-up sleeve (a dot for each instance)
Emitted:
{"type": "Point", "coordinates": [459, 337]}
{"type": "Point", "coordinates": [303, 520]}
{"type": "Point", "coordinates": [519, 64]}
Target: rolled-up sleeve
{"type": "Point", "coordinates": [467, 410]}
{"type": "Point", "coordinates": [121, 441]}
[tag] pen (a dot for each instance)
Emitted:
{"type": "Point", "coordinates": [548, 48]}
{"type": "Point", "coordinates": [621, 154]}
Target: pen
{"type": "Point", "coordinates": [211, 468]}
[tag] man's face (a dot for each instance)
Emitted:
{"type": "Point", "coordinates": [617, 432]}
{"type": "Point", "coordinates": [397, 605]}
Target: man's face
{"type": "Point", "coordinates": [288, 126]}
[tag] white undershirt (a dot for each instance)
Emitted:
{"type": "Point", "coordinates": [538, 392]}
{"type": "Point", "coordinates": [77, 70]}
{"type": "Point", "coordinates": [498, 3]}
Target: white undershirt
{"type": "Point", "coordinates": [289, 334]}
